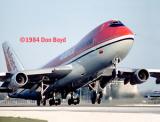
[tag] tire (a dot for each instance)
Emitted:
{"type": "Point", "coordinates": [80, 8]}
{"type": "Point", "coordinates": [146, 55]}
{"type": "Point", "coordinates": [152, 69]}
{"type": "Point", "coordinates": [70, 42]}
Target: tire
{"type": "Point", "coordinates": [78, 100]}
{"type": "Point", "coordinates": [58, 101]}
{"type": "Point", "coordinates": [69, 102]}
{"type": "Point", "coordinates": [93, 97]}
{"type": "Point", "coordinates": [44, 102]}
{"type": "Point", "coordinates": [99, 101]}
{"type": "Point", "coordinates": [50, 102]}
{"type": "Point", "coordinates": [38, 102]}
{"type": "Point", "coordinates": [93, 101]}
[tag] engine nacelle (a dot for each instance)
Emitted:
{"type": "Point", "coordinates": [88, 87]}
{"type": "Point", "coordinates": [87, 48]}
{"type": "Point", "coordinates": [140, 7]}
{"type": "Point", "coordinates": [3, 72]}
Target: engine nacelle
{"type": "Point", "coordinates": [18, 80]}
{"type": "Point", "coordinates": [140, 76]}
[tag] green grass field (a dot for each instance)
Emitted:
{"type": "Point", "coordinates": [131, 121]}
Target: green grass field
{"type": "Point", "coordinates": [17, 119]}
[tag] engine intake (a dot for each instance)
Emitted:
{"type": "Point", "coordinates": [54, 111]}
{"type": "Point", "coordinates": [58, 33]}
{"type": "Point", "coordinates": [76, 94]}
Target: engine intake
{"type": "Point", "coordinates": [141, 76]}
{"type": "Point", "coordinates": [18, 80]}
{"type": "Point", "coordinates": [21, 78]}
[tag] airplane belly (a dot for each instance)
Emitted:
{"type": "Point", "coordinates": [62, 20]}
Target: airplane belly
{"type": "Point", "coordinates": [76, 74]}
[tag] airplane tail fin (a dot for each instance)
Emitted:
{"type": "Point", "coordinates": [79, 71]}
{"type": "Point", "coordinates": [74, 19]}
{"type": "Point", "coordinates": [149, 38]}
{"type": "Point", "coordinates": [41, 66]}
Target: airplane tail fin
{"type": "Point", "coordinates": [12, 61]}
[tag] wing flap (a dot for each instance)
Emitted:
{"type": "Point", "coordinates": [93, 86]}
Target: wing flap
{"type": "Point", "coordinates": [4, 76]}
{"type": "Point", "coordinates": [154, 72]}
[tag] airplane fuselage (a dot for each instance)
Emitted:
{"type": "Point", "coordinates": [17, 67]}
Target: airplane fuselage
{"type": "Point", "coordinates": [94, 52]}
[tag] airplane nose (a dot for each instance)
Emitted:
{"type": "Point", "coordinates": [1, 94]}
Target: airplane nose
{"type": "Point", "coordinates": [111, 30]}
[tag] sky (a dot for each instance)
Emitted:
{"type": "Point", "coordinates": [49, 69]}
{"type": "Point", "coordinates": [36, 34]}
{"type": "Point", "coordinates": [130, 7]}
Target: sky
{"type": "Point", "coordinates": [73, 19]}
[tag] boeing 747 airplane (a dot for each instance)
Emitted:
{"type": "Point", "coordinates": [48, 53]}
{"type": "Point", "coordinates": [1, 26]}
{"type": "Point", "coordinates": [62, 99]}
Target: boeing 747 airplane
{"type": "Point", "coordinates": [82, 65]}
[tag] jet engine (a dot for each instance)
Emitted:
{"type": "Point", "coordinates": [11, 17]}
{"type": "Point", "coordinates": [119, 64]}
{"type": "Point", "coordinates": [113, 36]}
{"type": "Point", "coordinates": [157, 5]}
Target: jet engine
{"type": "Point", "coordinates": [140, 76]}
{"type": "Point", "coordinates": [18, 80]}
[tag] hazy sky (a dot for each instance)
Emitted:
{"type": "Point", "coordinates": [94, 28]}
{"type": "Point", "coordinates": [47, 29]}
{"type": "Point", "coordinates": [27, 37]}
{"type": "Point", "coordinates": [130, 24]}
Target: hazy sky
{"type": "Point", "coordinates": [73, 19]}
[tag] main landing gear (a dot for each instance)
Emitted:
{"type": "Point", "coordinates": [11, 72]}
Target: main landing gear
{"type": "Point", "coordinates": [56, 100]}
{"type": "Point", "coordinates": [42, 101]}
{"type": "Point", "coordinates": [44, 87]}
{"type": "Point", "coordinates": [96, 92]}
{"type": "Point", "coordinates": [38, 102]}
{"type": "Point", "coordinates": [74, 99]}
{"type": "Point", "coordinates": [96, 97]}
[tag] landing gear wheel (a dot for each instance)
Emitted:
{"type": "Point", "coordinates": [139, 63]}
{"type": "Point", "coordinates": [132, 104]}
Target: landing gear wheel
{"type": "Point", "coordinates": [51, 102]}
{"type": "Point", "coordinates": [44, 102]}
{"type": "Point", "coordinates": [38, 102]}
{"type": "Point", "coordinates": [99, 101]}
{"type": "Point", "coordinates": [78, 100]}
{"type": "Point", "coordinates": [57, 102]}
{"type": "Point", "coordinates": [54, 102]}
{"type": "Point", "coordinates": [69, 101]}
{"type": "Point", "coordinates": [74, 101]}
{"type": "Point", "coordinates": [93, 97]}
{"type": "Point", "coordinates": [100, 98]}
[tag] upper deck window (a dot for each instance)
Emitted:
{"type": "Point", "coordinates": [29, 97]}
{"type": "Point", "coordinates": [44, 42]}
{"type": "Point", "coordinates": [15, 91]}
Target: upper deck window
{"type": "Point", "coordinates": [116, 24]}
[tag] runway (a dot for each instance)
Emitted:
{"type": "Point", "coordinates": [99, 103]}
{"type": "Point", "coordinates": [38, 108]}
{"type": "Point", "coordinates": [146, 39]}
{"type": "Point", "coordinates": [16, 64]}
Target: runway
{"type": "Point", "coordinates": [87, 114]}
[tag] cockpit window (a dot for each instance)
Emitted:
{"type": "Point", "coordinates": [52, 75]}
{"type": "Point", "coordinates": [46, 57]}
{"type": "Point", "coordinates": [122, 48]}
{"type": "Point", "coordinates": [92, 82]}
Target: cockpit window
{"type": "Point", "coordinates": [116, 24]}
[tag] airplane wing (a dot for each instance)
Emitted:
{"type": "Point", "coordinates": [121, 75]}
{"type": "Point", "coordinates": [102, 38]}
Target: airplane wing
{"type": "Point", "coordinates": [137, 76]}
{"type": "Point", "coordinates": [128, 75]}
{"type": "Point", "coordinates": [29, 78]}
{"type": "Point", "coordinates": [153, 72]}
{"type": "Point", "coordinates": [156, 74]}
{"type": "Point", "coordinates": [56, 72]}
{"type": "Point", "coordinates": [3, 76]}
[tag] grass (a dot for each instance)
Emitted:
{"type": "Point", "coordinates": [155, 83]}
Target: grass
{"type": "Point", "coordinates": [18, 119]}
